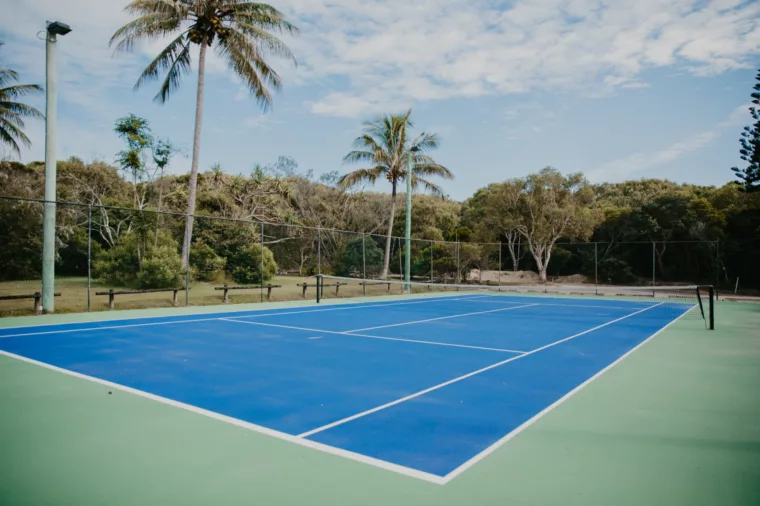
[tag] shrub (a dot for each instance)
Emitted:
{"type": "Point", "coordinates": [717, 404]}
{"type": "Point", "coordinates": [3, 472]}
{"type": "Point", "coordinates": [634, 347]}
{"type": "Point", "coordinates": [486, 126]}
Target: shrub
{"type": "Point", "coordinates": [352, 260]}
{"type": "Point", "coordinates": [161, 268]}
{"type": "Point", "coordinates": [206, 264]}
{"type": "Point", "coordinates": [245, 266]}
{"type": "Point", "coordinates": [118, 265]}
{"type": "Point", "coordinates": [615, 270]}
{"type": "Point", "coordinates": [559, 261]}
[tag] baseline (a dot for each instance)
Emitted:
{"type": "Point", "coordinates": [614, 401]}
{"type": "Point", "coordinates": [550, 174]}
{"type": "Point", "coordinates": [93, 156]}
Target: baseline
{"type": "Point", "coordinates": [389, 466]}
{"type": "Point", "coordinates": [341, 307]}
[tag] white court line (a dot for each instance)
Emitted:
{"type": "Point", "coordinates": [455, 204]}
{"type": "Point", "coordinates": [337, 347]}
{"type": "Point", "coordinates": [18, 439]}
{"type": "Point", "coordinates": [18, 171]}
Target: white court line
{"type": "Point", "coordinates": [414, 473]}
{"type": "Point", "coordinates": [566, 305]}
{"type": "Point", "coordinates": [352, 334]}
{"type": "Point", "coordinates": [315, 337]}
{"type": "Point", "coordinates": [444, 317]}
{"type": "Point", "coordinates": [480, 456]}
{"type": "Point", "coordinates": [111, 327]}
{"type": "Point", "coordinates": [463, 377]}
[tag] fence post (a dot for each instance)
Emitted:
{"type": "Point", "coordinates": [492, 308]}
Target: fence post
{"type": "Point", "coordinates": [432, 271]}
{"type": "Point", "coordinates": [654, 254]}
{"type": "Point", "coordinates": [596, 267]}
{"type": "Point", "coordinates": [89, 254]}
{"type": "Point", "coordinates": [401, 262]}
{"type": "Point", "coordinates": [498, 276]}
{"type": "Point", "coordinates": [261, 278]}
{"type": "Point", "coordinates": [457, 255]}
{"type": "Point", "coordinates": [319, 251]}
{"type": "Point", "coordinates": [187, 264]}
{"type": "Point", "coordinates": [364, 265]}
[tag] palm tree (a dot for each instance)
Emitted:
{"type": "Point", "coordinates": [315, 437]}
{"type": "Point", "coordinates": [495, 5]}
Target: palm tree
{"type": "Point", "coordinates": [13, 112]}
{"type": "Point", "coordinates": [238, 30]}
{"type": "Point", "coordinates": [384, 144]}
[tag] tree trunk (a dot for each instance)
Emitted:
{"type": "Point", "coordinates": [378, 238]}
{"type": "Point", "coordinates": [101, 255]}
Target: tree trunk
{"type": "Point", "coordinates": [541, 264]}
{"type": "Point", "coordinates": [387, 259]}
{"type": "Point", "coordinates": [193, 183]}
{"type": "Point", "coordinates": [512, 238]}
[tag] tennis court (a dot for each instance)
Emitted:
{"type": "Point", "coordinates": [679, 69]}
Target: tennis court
{"type": "Point", "coordinates": [426, 385]}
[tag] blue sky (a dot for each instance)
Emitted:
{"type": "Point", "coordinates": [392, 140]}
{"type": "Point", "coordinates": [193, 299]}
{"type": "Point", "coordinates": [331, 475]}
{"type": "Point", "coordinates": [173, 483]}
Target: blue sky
{"type": "Point", "coordinates": [617, 89]}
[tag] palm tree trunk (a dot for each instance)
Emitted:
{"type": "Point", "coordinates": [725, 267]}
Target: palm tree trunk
{"type": "Point", "coordinates": [387, 259]}
{"type": "Point", "coordinates": [193, 183]}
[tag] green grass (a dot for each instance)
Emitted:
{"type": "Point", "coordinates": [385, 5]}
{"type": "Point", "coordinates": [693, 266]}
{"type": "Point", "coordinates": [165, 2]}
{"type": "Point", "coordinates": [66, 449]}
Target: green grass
{"type": "Point", "coordinates": [73, 297]}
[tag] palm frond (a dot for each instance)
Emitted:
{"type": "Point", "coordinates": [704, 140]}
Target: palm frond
{"type": "Point", "coordinates": [247, 63]}
{"type": "Point", "coordinates": [152, 26]}
{"type": "Point", "coordinates": [12, 118]}
{"type": "Point", "coordinates": [8, 76]}
{"type": "Point", "coordinates": [178, 8]}
{"type": "Point", "coordinates": [361, 156]}
{"type": "Point", "coordinates": [428, 186]}
{"type": "Point", "coordinates": [20, 109]}
{"type": "Point", "coordinates": [426, 142]}
{"type": "Point", "coordinates": [356, 177]}
{"type": "Point", "coordinates": [175, 60]}
{"type": "Point", "coordinates": [264, 16]}
{"type": "Point", "coordinates": [10, 134]}
{"type": "Point", "coordinates": [19, 90]}
{"type": "Point", "coordinates": [430, 168]}
{"type": "Point", "coordinates": [272, 44]}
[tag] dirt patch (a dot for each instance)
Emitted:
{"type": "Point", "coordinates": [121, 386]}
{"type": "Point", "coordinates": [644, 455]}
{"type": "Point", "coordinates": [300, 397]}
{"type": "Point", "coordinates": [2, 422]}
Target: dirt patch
{"type": "Point", "coordinates": [571, 280]}
{"type": "Point", "coordinates": [519, 277]}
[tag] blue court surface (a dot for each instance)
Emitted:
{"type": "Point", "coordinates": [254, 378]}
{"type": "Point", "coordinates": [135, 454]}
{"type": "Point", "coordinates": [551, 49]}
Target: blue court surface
{"type": "Point", "coordinates": [422, 386]}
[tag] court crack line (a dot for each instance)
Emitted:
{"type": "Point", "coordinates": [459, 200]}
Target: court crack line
{"type": "Point", "coordinates": [465, 376]}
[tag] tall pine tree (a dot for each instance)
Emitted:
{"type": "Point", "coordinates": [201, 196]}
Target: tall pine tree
{"type": "Point", "coordinates": [750, 151]}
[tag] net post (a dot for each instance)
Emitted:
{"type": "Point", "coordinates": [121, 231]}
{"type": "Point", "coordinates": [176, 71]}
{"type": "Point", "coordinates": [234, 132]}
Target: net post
{"type": "Point", "coordinates": [320, 281]}
{"type": "Point", "coordinates": [711, 307]}
{"type": "Point", "coordinates": [89, 254]}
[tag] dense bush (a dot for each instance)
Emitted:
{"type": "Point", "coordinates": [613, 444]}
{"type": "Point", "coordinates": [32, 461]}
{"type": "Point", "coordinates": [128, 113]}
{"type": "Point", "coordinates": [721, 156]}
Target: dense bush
{"type": "Point", "coordinates": [72, 256]}
{"type": "Point", "coordinates": [615, 270]}
{"type": "Point", "coordinates": [354, 257]}
{"type": "Point", "coordinates": [118, 265]}
{"type": "Point", "coordinates": [21, 238]}
{"type": "Point", "coordinates": [205, 263]}
{"type": "Point", "coordinates": [245, 266]}
{"type": "Point", "coordinates": [161, 268]}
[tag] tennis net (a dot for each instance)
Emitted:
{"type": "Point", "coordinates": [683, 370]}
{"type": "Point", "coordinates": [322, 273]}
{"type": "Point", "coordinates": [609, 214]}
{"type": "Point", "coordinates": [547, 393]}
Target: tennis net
{"type": "Point", "coordinates": [698, 301]}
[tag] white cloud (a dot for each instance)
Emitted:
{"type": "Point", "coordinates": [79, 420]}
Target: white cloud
{"type": "Point", "coordinates": [397, 52]}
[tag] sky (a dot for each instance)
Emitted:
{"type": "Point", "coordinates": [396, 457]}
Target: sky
{"type": "Point", "coordinates": [616, 89]}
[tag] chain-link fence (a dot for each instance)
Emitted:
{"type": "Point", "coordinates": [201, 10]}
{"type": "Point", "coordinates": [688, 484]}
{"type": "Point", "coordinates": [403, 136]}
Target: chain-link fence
{"type": "Point", "coordinates": [111, 257]}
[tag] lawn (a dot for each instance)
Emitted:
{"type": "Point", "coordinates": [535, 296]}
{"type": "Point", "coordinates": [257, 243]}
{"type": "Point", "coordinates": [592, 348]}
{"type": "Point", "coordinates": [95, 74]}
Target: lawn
{"type": "Point", "coordinates": [73, 297]}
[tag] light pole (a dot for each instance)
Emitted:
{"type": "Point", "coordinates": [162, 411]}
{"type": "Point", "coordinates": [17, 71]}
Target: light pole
{"type": "Point", "coordinates": [408, 256]}
{"type": "Point", "coordinates": [53, 30]}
